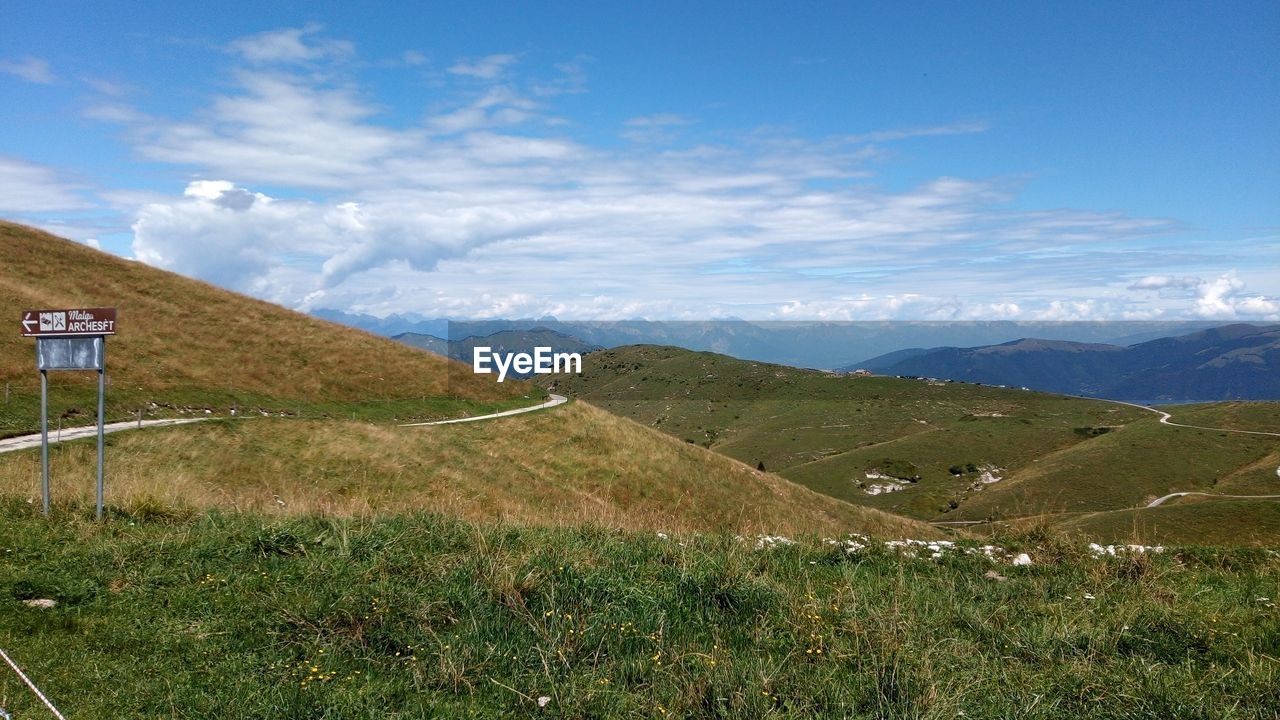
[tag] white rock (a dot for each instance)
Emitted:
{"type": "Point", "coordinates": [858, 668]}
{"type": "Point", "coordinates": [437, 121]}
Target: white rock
{"type": "Point", "coordinates": [1022, 559]}
{"type": "Point", "coordinates": [42, 603]}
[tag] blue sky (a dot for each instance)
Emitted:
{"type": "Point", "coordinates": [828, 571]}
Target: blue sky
{"type": "Point", "coordinates": [664, 160]}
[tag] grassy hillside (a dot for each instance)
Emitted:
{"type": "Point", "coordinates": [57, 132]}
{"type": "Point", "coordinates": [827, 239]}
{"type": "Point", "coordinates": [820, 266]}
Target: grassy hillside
{"type": "Point", "coordinates": [186, 344]}
{"type": "Point", "coordinates": [1132, 466]}
{"type": "Point", "coordinates": [1185, 521]}
{"type": "Point", "coordinates": [573, 464]}
{"type": "Point", "coordinates": [187, 347]}
{"type": "Point", "coordinates": [935, 443]}
{"type": "Point", "coordinates": [1261, 416]}
{"type": "Point", "coordinates": [422, 616]}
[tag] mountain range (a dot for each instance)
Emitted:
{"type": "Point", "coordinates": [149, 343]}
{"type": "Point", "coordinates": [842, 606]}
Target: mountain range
{"type": "Point", "coordinates": [811, 344]}
{"type": "Point", "coordinates": [1232, 362]}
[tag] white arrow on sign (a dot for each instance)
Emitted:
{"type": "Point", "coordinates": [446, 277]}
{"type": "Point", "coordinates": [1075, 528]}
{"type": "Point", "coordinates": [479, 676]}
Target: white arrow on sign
{"type": "Point", "coordinates": [27, 322]}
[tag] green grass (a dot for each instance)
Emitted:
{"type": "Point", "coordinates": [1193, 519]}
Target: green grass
{"type": "Point", "coordinates": [571, 464]}
{"type": "Point", "coordinates": [1130, 467]}
{"type": "Point", "coordinates": [73, 404]}
{"type": "Point", "coordinates": [1054, 454]}
{"type": "Point", "coordinates": [1238, 415]}
{"type": "Point", "coordinates": [423, 616]}
{"type": "Point", "coordinates": [1206, 521]}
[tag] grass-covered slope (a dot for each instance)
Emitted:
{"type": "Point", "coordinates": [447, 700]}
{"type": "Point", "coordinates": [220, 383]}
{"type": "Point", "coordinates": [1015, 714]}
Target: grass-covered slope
{"type": "Point", "coordinates": [569, 465]}
{"type": "Point", "coordinates": [420, 616]}
{"type": "Point", "coordinates": [1188, 521]}
{"type": "Point", "coordinates": [1041, 453]}
{"type": "Point", "coordinates": [186, 343]}
{"type": "Point", "coordinates": [188, 346]}
{"type": "Point", "coordinates": [1132, 466]}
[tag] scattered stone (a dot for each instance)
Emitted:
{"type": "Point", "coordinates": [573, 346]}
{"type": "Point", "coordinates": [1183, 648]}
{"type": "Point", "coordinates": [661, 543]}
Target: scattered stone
{"type": "Point", "coordinates": [543, 701]}
{"type": "Point", "coordinates": [993, 575]}
{"type": "Point", "coordinates": [42, 603]}
{"type": "Point", "coordinates": [1113, 550]}
{"type": "Point", "coordinates": [1022, 559]}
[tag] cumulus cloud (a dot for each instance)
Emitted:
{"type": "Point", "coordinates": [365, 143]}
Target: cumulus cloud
{"type": "Point", "coordinates": [1224, 298]}
{"type": "Point", "coordinates": [31, 69]}
{"type": "Point", "coordinates": [251, 242]}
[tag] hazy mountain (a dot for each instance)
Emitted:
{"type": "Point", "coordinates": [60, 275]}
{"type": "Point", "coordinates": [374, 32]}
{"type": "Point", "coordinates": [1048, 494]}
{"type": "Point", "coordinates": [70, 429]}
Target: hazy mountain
{"type": "Point", "coordinates": [1233, 362]}
{"type": "Point", "coordinates": [814, 344]}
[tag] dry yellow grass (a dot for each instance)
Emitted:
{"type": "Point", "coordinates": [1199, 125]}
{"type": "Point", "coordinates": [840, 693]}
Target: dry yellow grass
{"type": "Point", "coordinates": [176, 332]}
{"type": "Point", "coordinates": [572, 465]}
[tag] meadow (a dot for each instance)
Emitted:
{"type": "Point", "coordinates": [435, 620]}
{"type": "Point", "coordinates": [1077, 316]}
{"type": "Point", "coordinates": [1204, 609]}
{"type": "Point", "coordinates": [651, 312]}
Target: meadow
{"type": "Point", "coordinates": [422, 615]}
{"type": "Point", "coordinates": [946, 451]}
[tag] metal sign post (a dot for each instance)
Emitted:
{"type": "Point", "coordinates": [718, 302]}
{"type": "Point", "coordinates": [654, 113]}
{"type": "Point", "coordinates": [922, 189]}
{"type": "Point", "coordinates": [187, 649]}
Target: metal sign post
{"type": "Point", "coordinates": [102, 393]}
{"type": "Point", "coordinates": [70, 340]}
{"type": "Point", "coordinates": [44, 438]}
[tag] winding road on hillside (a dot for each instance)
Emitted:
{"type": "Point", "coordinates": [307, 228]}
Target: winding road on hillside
{"type": "Point", "coordinates": [554, 401]}
{"type": "Point", "coordinates": [1159, 501]}
{"type": "Point", "coordinates": [1164, 420]}
{"type": "Point", "coordinates": [23, 442]}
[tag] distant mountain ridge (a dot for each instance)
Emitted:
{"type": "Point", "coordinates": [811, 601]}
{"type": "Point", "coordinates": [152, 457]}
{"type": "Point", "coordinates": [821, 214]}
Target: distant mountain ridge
{"type": "Point", "coordinates": [812, 344]}
{"type": "Point", "coordinates": [1232, 362]}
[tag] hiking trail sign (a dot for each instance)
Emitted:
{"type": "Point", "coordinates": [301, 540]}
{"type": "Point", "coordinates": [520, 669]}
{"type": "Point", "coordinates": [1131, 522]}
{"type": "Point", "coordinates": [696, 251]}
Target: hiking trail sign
{"type": "Point", "coordinates": [69, 339]}
{"type": "Point", "coordinates": [78, 322]}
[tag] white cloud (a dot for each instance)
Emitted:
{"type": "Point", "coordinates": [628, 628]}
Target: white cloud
{"type": "Point", "coordinates": [1220, 298]}
{"type": "Point", "coordinates": [290, 45]}
{"type": "Point", "coordinates": [1163, 282]}
{"type": "Point", "coordinates": [1067, 310]}
{"type": "Point", "coordinates": [1224, 298]}
{"type": "Point", "coordinates": [31, 69]}
{"type": "Point", "coordinates": [496, 107]}
{"type": "Point", "coordinates": [480, 211]}
{"type": "Point", "coordinates": [485, 68]}
{"type": "Point", "coordinates": [27, 187]}
{"type": "Point", "coordinates": [250, 242]}
{"type": "Point", "coordinates": [279, 129]}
